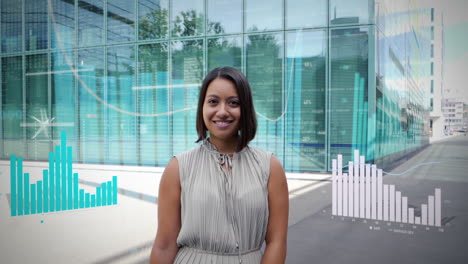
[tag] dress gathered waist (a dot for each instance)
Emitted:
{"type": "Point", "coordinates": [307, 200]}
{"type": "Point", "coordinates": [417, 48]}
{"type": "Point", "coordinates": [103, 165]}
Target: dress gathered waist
{"type": "Point", "coordinates": [189, 255]}
{"type": "Point", "coordinates": [221, 253]}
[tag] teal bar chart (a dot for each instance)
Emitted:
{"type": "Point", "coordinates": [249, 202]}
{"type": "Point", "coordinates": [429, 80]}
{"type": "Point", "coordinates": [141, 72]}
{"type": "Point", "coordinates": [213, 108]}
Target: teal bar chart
{"type": "Point", "coordinates": [58, 190]}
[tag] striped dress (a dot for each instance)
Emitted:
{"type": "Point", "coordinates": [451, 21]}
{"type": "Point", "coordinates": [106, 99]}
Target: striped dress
{"type": "Point", "coordinates": [224, 212]}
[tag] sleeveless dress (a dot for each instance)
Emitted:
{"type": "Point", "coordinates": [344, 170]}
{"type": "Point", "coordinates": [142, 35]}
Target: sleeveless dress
{"type": "Point", "coordinates": [224, 213]}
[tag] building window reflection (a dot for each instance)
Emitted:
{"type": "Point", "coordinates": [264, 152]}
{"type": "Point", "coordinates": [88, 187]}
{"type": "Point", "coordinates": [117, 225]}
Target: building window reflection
{"type": "Point", "coordinates": [122, 77]}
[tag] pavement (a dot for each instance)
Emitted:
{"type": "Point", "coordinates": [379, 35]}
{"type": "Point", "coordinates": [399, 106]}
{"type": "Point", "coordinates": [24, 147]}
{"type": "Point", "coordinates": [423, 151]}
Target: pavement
{"type": "Point", "coordinates": [323, 238]}
{"type": "Point", "coordinates": [124, 233]}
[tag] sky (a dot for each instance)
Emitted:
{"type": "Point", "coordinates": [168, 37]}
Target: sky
{"type": "Point", "coordinates": [456, 44]}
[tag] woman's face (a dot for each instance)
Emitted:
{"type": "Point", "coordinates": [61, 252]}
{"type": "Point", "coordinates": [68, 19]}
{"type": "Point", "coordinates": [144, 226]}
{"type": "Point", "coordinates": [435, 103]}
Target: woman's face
{"type": "Point", "coordinates": [221, 110]}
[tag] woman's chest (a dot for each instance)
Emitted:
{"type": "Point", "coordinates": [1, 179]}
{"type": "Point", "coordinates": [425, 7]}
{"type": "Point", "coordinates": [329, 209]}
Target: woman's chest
{"type": "Point", "coordinates": [214, 186]}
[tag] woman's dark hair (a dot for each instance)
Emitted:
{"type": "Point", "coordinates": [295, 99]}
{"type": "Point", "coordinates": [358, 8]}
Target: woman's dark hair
{"type": "Point", "coordinates": [248, 120]}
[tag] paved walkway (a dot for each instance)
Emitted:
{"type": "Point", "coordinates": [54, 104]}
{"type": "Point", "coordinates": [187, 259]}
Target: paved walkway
{"type": "Point", "coordinates": [321, 238]}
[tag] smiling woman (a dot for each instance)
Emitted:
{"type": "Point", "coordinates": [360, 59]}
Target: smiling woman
{"type": "Point", "coordinates": [220, 201]}
{"type": "Point", "coordinates": [224, 95]}
{"type": "Point", "coordinates": [221, 111]}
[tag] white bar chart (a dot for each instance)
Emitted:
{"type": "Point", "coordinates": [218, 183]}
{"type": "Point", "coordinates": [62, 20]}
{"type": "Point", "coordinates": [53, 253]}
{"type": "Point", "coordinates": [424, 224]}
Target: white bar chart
{"type": "Point", "coordinates": [361, 193]}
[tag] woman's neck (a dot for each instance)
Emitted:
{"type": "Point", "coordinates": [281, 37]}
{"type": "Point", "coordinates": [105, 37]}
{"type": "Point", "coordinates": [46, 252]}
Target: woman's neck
{"type": "Point", "coordinates": [225, 145]}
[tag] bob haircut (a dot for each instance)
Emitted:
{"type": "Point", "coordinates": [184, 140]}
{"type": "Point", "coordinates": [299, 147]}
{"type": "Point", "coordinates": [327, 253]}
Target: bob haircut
{"type": "Point", "coordinates": [248, 120]}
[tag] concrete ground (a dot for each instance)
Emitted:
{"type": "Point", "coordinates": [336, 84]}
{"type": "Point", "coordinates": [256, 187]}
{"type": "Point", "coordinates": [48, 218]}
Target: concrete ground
{"type": "Point", "coordinates": [322, 238]}
{"type": "Point", "coordinates": [124, 233]}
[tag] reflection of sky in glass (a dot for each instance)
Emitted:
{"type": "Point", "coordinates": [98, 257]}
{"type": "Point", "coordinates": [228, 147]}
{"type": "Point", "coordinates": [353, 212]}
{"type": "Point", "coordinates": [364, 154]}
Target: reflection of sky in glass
{"type": "Point", "coordinates": [305, 44]}
{"type": "Point", "coordinates": [186, 5]}
{"type": "Point", "coordinates": [228, 13]}
{"type": "Point", "coordinates": [350, 9]}
{"type": "Point", "coordinates": [314, 10]}
{"type": "Point", "coordinates": [146, 6]}
{"type": "Point", "coordinates": [263, 14]}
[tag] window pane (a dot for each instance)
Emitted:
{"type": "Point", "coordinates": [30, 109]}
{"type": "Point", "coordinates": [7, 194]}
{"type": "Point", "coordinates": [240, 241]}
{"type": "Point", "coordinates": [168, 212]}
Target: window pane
{"type": "Point", "coordinates": [188, 18]}
{"type": "Point", "coordinates": [11, 26]}
{"type": "Point", "coordinates": [153, 100]}
{"type": "Point", "coordinates": [63, 97]}
{"type": "Point", "coordinates": [187, 75]}
{"type": "Point", "coordinates": [348, 92]}
{"type": "Point", "coordinates": [349, 12]}
{"type": "Point", "coordinates": [91, 110]}
{"type": "Point", "coordinates": [120, 21]}
{"type": "Point", "coordinates": [63, 24]}
{"type": "Point", "coordinates": [305, 95]}
{"type": "Point", "coordinates": [12, 107]}
{"type": "Point", "coordinates": [225, 51]}
{"type": "Point", "coordinates": [38, 132]}
{"type": "Point", "coordinates": [153, 19]}
{"type": "Point", "coordinates": [263, 15]}
{"type": "Point", "coordinates": [36, 24]}
{"type": "Point", "coordinates": [90, 22]}
{"type": "Point", "coordinates": [297, 10]}
{"type": "Point", "coordinates": [224, 16]}
{"type": "Point", "coordinates": [121, 120]}
{"type": "Point", "coordinates": [264, 70]}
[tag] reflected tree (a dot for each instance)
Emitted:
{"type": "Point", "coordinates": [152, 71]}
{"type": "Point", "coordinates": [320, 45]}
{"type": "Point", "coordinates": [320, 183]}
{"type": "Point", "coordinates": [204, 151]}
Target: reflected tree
{"type": "Point", "coordinates": [154, 25]}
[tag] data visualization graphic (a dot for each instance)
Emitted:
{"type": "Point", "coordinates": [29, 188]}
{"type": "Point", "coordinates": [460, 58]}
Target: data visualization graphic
{"type": "Point", "coordinates": [58, 190]}
{"type": "Point", "coordinates": [360, 193]}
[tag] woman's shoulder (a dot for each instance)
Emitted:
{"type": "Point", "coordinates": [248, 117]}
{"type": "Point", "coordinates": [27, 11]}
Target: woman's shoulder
{"type": "Point", "coordinates": [188, 154]}
{"type": "Point", "coordinates": [262, 158]}
{"type": "Point", "coordinates": [261, 152]}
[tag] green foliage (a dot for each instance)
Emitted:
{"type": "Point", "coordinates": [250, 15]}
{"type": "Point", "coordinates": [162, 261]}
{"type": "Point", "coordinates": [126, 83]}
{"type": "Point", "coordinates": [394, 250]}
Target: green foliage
{"type": "Point", "coordinates": [154, 25]}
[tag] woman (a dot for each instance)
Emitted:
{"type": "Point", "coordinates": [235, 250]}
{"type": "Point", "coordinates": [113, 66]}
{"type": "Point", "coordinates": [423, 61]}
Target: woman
{"type": "Point", "coordinates": [219, 202]}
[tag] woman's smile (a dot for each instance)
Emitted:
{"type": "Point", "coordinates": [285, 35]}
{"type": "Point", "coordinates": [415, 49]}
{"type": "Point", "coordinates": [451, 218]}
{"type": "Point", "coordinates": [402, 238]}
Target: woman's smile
{"type": "Point", "coordinates": [223, 123]}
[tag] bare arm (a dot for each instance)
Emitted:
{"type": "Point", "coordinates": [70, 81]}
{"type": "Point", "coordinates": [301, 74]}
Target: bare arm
{"type": "Point", "coordinates": [278, 204]}
{"type": "Point", "coordinates": [165, 247]}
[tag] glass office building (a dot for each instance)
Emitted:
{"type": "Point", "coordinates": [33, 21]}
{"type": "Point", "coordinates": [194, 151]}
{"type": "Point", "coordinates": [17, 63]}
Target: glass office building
{"type": "Point", "coordinates": [121, 77]}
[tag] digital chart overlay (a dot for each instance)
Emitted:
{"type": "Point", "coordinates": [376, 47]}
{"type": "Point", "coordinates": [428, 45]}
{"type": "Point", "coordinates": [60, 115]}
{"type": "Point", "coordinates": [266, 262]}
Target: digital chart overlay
{"type": "Point", "coordinates": [58, 190]}
{"type": "Point", "coordinates": [361, 193]}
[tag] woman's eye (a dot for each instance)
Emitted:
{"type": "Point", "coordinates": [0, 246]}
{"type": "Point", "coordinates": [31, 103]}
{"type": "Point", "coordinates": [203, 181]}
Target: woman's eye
{"type": "Point", "coordinates": [212, 101]}
{"type": "Point", "coordinates": [235, 103]}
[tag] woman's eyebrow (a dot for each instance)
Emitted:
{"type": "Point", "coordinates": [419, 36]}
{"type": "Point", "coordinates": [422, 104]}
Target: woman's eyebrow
{"type": "Point", "coordinates": [216, 96]}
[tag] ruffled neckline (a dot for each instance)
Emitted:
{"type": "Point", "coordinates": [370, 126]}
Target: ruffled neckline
{"type": "Point", "coordinates": [212, 148]}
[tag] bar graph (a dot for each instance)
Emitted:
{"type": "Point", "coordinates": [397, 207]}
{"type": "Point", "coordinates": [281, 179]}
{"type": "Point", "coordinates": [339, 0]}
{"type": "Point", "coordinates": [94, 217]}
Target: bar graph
{"type": "Point", "coordinates": [361, 193]}
{"type": "Point", "coordinates": [58, 190]}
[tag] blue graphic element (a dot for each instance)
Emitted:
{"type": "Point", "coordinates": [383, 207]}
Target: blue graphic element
{"type": "Point", "coordinates": [58, 189]}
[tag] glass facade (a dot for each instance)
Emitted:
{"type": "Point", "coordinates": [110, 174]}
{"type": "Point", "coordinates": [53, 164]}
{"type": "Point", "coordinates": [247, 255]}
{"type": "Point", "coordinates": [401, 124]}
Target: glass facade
{"type": "Point", "coordinates": [122, 77]}
{"type": "Point", "coordinates": [402, 70]}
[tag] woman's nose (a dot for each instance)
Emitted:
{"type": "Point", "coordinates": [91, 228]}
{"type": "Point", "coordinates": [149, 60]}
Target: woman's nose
{"type": "Point", "coordinates": [222, 111]}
